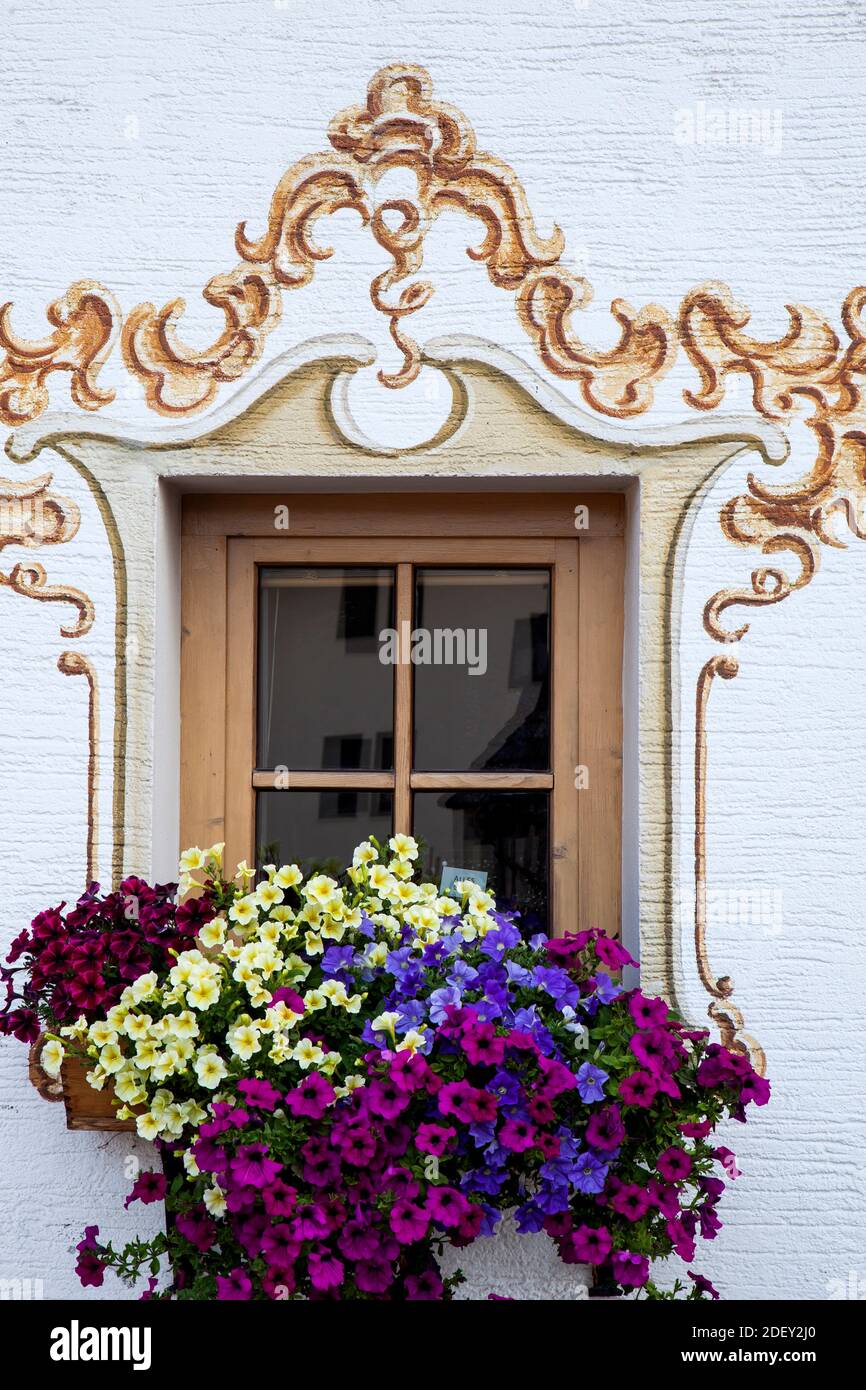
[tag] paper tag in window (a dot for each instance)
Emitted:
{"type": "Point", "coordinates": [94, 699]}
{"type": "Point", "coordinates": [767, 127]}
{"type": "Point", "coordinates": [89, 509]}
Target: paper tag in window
{"type": "Point", "coordinates": [452, 875]}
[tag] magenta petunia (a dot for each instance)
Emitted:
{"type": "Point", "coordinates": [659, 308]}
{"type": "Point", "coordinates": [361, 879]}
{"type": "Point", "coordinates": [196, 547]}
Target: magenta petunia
{"type": "Point", "coordinates": [629, 1270]}
{"type": "Point", "coordinates": [374, 1276]}
{"type": "Point", "coordinates": [326, 1271]}
{"type": "Point", "coordinates": [289, 997]}
{"type": "Point", "coordinates": [640, 1089]}
{"type": "Point", "coordinates": [408, 1222]}
{"type": "Point", "coordinates": [605, 1129]}
{"type": "Point", "coordinates": [647, 1013]}
{"type": "Point", "coordinates": [148, 1187]}
{"type": "Point", "coordinates": [674, 1164]}
{"type": "Point", "coordinates": [702, 1284]}
{"type": "Point", "coordinates": [631, 1201]}
{"type": "Point", "coordinates": [311, 1098]}
{"type": "Point", "coordinates": [446, 1206]}
{"type": "Point", "coordinates": [426, 1287]}
{"type": "Point", "coordinates": [434, 1139]}
{"type": "Point", "coordinates": [234, 1287]}
{"type": "Point", "coordinates": [517, 1135]}
{"type": "Point", "coordinates": [258, 1094]}
{"type": "Point", "coordinates": [252, 1168]}
{"type": "Point", "coordinates": [590, 1244]}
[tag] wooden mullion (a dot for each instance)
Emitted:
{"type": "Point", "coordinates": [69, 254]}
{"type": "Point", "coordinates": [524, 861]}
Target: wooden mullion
{"type": "Point", "coordinates": [481, 781]}
{"type": "Point", "coordinates": [403, 714]}
{"type": "Point", "coordinates": [565, 825]}
{"type": "Point", "coordinates": [240, 733]}
{"type": "Point", "coordinates": [286, 780]}
{"type": "Point", "coordinates": [600, 805]}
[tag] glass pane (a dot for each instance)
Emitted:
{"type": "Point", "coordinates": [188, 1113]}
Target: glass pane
{"type": "Point", "coordinates": [503, 833]}
{"type": "Point", "coordinates": [325, 700]}
{"type": "Point", "coordinates": [318, 829]}
{"type": "Point", "coordinates": [482, 670]}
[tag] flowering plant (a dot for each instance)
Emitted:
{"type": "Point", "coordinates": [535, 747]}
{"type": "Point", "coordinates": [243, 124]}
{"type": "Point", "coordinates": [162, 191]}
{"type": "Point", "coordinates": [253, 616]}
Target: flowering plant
{"type": "Point", "coordinates": [76, 963]}
{"type": "Point", "coordinates": [355, 1074]}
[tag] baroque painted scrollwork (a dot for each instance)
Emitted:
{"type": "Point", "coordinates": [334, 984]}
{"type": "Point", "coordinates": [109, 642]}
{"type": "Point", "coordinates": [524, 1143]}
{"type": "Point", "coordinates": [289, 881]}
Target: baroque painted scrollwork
{"type": "Point", "coordinates": [77, 664]}
{"type": "Point", "coordinates": [86, 322]}
{"type": "Point", "coordinates": [400, 126]}
{"type": "Point", "coordinates": [32, 515]}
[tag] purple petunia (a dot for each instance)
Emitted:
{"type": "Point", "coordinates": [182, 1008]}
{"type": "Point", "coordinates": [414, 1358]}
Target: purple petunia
{"type": "Point", "coordinates": [674, 1164]}
{"type": "Point", "coordinates": [590, 1082]}
{"type": "Point", "coordinates": [589, 1174]}
{"type": "Point", "coordinates": [148, 1187]}
{"type": "Point", "coordinates": [702, 1284]}
{"type": "Point", "coordinates": [251, 1166]}
{"type": "Point", "coordinates": [629, 1270]}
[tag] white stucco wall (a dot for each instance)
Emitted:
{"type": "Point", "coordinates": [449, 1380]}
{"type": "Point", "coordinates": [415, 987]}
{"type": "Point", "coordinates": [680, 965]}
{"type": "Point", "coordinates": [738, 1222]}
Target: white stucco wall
{"type": "Point", "coordinates": [135, 139]}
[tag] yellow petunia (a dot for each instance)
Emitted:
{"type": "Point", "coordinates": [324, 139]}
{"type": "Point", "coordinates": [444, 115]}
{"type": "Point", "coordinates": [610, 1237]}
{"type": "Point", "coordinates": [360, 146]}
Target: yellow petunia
{"type": "Point", "coordinates": [210, 1069]}
{"type": "Point", "coordinates": [243, 1040]}
{"type": "Point", "coordinates": [213, 934]}
{"type": "Point", "coordinates": [147, 1126]}
{"type": "Point", "coordinates": [51, 1057]}
{"type": "Point", "coordinates": [404, 846]}
{"type": "Point", "coordinates": [307, 1054]}
{"type": "Point", "coordinates": [289, 876]}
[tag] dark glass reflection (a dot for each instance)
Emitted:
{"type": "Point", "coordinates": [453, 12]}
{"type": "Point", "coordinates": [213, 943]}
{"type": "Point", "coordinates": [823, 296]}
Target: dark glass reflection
{"type": "Point", "coordinates": [325, 700]}
{"type": "Point", "coordinates": [504, 833]}
{"type": "Point", "coordinates": [482, 696]}
{"type": "Point", "coordinates": [318, 830]}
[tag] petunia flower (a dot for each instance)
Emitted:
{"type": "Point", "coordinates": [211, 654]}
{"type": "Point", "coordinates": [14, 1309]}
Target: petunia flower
{"type": "Point", "coordinates": [234, 1287]}
{"type": "Point", "coordinates": [674, 1164]}
{"type": "Point", "coordinates": [590, 1244]}
{"type": "Point", "coordinates": [425, 1287]}
{"type": "Point", "coordinates": [148, 1187]}
{"type": "Point", "coordinates": [605, 1129]}
{"type": "Point", "coordinates": [702, 1284]}
{"type": "Point", "coordinates": [446, 1206]}
{"type": "Point", "coordinates": [517, 1135]}
{"type": "Point", "coordinates": [326, 1271]}
{"type": "Point", "coordinates": [434, 1139]}
{"type": "Point", "coordinates": [408, 1222]}
{"type": "Point", "coordinates": [590, 1082]}
{"type": "Point", "coordinates": [252, 1168]}
{"type": "Point", "coordinates": [629, 1270]}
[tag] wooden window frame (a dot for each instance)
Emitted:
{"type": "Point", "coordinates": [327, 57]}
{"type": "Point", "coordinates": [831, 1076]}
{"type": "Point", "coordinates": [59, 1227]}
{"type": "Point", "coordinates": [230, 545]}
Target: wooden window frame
{"type": "Point", "coordinates": [226, 538]}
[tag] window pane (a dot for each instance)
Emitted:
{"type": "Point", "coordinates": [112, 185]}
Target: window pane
{"type": "Point", "coordinates": [325, 700]}
{"type": "Point", "coordinates": [318, 829]}
{"type": "Point", "coordinates": [504, 833]}
{"type": "Point", "coordinates": [482, 693]}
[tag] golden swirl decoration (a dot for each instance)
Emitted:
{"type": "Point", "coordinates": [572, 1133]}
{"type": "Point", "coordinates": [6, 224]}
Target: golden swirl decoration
{"type": "Point", "coordinates": [85, 321]}
{"type": "Point", "coordinates": [810, 371]}
{"type": "Point", "coordinates": [77, 664]}
{"type": "Point", "coordinates": [400, 126]}
{"type": "Point", "coordinates": [32, 515]}
{"type": "Point", "coordinates": [32, 582]}
{"type": "Point", "coordinates": [807, 368]}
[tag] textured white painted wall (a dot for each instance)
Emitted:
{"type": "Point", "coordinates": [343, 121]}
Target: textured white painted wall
{"type": "Point", "coordinates": [133, 141]}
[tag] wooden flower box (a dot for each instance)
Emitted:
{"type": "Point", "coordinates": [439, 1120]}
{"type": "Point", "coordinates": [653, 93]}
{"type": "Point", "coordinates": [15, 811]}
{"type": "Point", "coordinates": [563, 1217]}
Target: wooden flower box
{"type": "Point", "coordinates": [86, 1108]}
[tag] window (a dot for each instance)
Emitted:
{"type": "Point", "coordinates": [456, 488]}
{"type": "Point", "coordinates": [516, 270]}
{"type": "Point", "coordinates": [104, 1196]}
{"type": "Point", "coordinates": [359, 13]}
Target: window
{"type": "Point", "coordinates": [444, 666]}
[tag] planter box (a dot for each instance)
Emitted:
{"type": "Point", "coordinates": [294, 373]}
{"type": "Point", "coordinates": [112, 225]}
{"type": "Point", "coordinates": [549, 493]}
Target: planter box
{"type": "Point", "coordinates": [86, 1108]}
